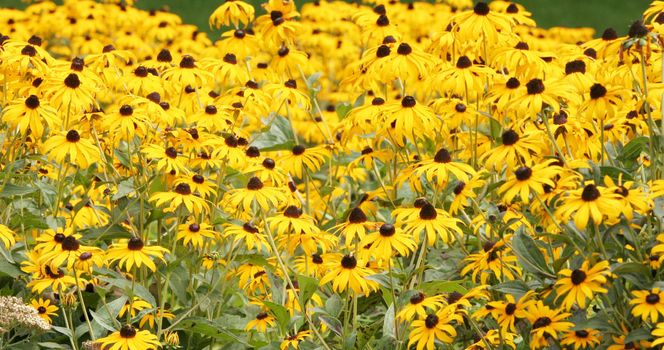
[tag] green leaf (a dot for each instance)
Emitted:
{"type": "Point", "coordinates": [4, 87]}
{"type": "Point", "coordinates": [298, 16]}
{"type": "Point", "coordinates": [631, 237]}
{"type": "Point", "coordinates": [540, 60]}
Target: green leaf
{"type": "Point", "coordinates": [308, 287]}
{"type": "Point", "coordinates": [633, 149]}
{"type": "Point", "coordinates": [437, 287]}
{"type": "Point", "coordinates": [280, 313]}
{"type": "Point", "coordinates": [139, 290]}
{"type": "Point", "coordinates": [202, 326]}
{"type": "Point", "coordinates": [6, 268]}
{"type": "Point", "coordinates": [333, 305]}
{"type": "Point", "coordinates": [12, 190]}
{"type": "Point", "coordinates": [636, 273]}
{"type": "Point", "coordinates": [388, 322]}
{"type": "Point", "coordinates": [343, 109]}
{"type": "Point", "coordinates": [636, 335]}
{"type": "Point", "coordinates": [515, 288]}
{"type": "Point", "coordinates": [529, 255]}
{"type": "Point", "coordinates": [332, 323]}
{"type": "Point", "coordinates": [614, 173]}
{"type": "Point", "coordinates": [125, 188]}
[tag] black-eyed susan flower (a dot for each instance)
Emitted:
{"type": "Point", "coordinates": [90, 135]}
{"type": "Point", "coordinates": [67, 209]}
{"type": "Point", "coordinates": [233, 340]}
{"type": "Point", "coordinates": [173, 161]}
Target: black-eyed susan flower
{"type": "Point", "coordinates": [293, 341]}
{"type": "Point", "coordinates": [130, 252]}
{"type": "Point", "coordinates": [302, 160]}
{"type": "Point", "coordinates": [196, 234]}
{"type": "Point", "coordinates": [528, 180]}
{"type": "Point", "coordinates": [582, 339]}
{"type": "Point", "coordinates": [45, 309]}
{"type": "Point", "coordinates": [180, 196]}
{"type": "Point", "coordinates": [261, 323]}
{"type": "Point", "coordinates": [546, 322]}
{"type": "Point", "coordinates": [435, 326]}
{"type": "Point", "coordinates": [347, 273]}
{"type": "Point", "coordinates": [648, 304]}
{"type": "Point", "coordinates": [419, 305]}
{"type": "Point", "coordinates": [432, 223]}
{"type": "Point", "coordinates": [128, 338]}
{"type": "Point", "coordinates": [70, 146]}
{"type": "Point", "coordinates": [387, 241]}
{"type": "Point", "coordinates": [256, 193]}
{"type": "Point", "coordinates": [31, 114]}
{"type": "Point", "coordinates": [579, 285]}
{"type": "Point", "coordinates": [7, 236]}
{"type": "Point", "coordinates": [590, 202]}
{"type": "Point", "coordinates": [509, 311]}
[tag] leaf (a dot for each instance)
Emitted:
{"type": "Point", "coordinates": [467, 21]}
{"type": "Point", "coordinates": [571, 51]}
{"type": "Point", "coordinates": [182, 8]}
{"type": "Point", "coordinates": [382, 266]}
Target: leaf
{"type": "Point", "coordinates": [388, 322]}
{"type": "Point", "coordinates": [139, 290]}
{"type": "Point", "coordinates": [308, 287]}
{"type": "Point", "coordinates": [6, 268]}
{"type": "Point", "coordinates": [199, 325]}
{"type": "Point", "coordinates": [278, 136]}
{"type": "Point", "coordinates": [332, 323]}
{"type": "Point", "coordinates": [529, 255]}
{"type": "Point", "coordinates": [50, 345]}
{"type": "Point", "coordinates": [63, 330]}
{"type": "Point", "coordinates": [514, 288]}
{"type": "Point", "coordinates": [29, 221]}
{"type": "Point", "coordinates": [333, 305]}
{"type": "Point", "coordinates": [614, 173]}
{"type": "Point", "coordinates": [633, 149]}
{"type": "Point", "coordinates": [102, 321]}
{"type": "Point", "coordinates": [125, 188]}
{"type": "Point", "coordinates": [11, 190]}
{"type": "Point", "coordinates": [436, 287]}
{"type": "Point", "coordinates": [343, 109]}
{"type": "Point", "coordinates": [280, 313]}
{"type": "Point", "coordinates": [636, 335]}
{"type": "Point", "coordinates": [636, 273]}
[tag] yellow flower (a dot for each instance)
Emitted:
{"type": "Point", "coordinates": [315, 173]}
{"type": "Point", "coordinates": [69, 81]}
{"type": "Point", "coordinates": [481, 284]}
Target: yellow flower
{"type": "Point", "coordinates": [128, 338]}
{"type": "Point", "coordinates": [45, 309]}
{"type": "Point", "coordinates": [130, 252]}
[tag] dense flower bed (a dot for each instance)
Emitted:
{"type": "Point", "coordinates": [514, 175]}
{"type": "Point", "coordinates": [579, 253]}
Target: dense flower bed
{"type": "Point", "coordinates": [382, 176]}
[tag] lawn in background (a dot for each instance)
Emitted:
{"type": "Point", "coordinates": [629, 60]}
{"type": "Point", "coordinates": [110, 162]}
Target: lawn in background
{"type": "Point", "coordinates": [597, 14]}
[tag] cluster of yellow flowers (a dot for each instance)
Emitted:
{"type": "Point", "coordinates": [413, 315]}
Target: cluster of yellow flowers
{"type": "Point", "coordinates": [381, 175]}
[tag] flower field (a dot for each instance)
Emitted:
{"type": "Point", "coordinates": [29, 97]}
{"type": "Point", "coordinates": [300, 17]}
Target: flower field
{"type": "Point", "coordinates": [385, 175]}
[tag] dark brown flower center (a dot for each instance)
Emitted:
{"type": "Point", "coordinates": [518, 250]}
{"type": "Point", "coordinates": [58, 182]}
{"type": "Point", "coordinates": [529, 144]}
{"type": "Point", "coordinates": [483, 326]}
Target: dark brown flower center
{"type": "Point", "coordinates": [523, 173]}
{"type": "Point", "coordinates": [463, 62]}
{"type": "Point", "coordinates": [535, 87]}
{"type": "Point", "coordinates": [404, 49]}
{"type": "Point", "coordinates": [32, 102]}
{"type": "Point", "coordinates": [126, 110]}
{"type": "Point", "coordinates": [590, 193]}
{"type": "Point", "coordinates": [70, 243]}
{"type": "Point", "coordinates": [357, 216]}
{"type": "Point", "coordinates": [292, 212]}
{"type": "Point", "coordinates": [85, 256]}
{"type": "Point", "coordinates": [171, 152]}
{"type": "Point", "coordinates": [459, 187]}
{"type": "Point", "coordinates": [348, 262]}
{"type": "Point", "coordinates": [652, 298]}
{"type": "Point", "coordinates": [578, 276]}
{"type": "Point", "coordinates": [431, 321]}
{"type": "Point", "coordinates": [597, 91]}
{"type": "Point", "coordinates": [541, 322]}
{"type": "Point", "coordinates": [298, 150]}
{"type": "Point", "coordinates": [387, 230]}
{"type": "Point", "coordinates": [72, 81]}
{"type": "Point", "coordinates": [460, 107]}
{"type": "Point", "coordinates": [261, 316]}
{"type": "Point", "coordinates": [127, 332]}
{"type": "Point", "coordinates": [408, 102]}
{"type": "Point", "coordinates": [316, 259]}
{"type": "Point", "coordinates": [230, 58]}
{"type": "Point", "coordinates": [428, 212]}
{"type": "Point", "coordinates": [187, 62]}
{"type": "Point", "coordinates": [73, 136]}
{"type": "Point", "coordinates": [442, 156]}
{"type": "Point", "coordinates": [41, 310]}
{"type": "Point", "coordinates": [183, 189]}
{"type": "Point", "coordinates": [637, 30]}
{"type": "Point", "coordinates": [135, 243]}
{"type": "Point", "coordinates": [513, 83]}
{"type": "Point", "coordinates": [510, 137]}
{"type": "Point", "coordinates": [609, 34]}
{"type": "Point", "coordinates": [510, 308]}
{"type": "Point", "coordinates": [28, 50]}
{"type": "Point", "coordinates": [581, 333]}
{"type": "Point", "coordinates": [382, 21]}
{"type": "Point", "coordinates": [481, 9]}
{"type": "Point", "coordinates": [254, 184]}
{"type": "Point", "coordinates": [417, 298]}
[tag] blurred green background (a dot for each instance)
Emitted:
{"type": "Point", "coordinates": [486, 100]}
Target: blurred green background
{"type": "Point", "coordinates": [598, 14]}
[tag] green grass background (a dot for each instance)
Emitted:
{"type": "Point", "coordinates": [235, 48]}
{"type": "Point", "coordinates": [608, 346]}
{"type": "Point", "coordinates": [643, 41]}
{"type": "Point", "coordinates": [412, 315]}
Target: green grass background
{"type": "Point", "coordinates": [598, 14]}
